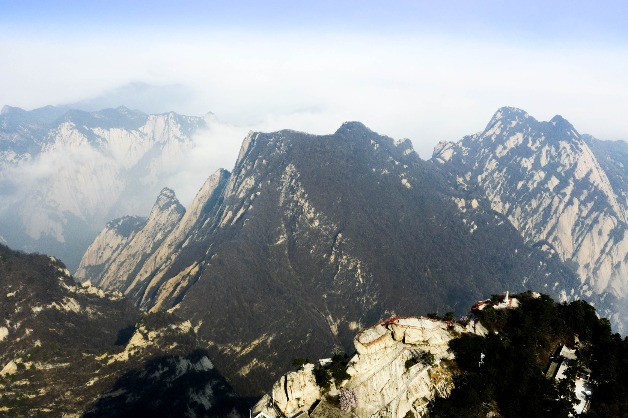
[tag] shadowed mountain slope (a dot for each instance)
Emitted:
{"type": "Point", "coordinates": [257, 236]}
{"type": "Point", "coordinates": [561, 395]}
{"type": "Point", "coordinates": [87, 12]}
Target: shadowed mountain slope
{"type": "Point", "coordinates": [68, 348]}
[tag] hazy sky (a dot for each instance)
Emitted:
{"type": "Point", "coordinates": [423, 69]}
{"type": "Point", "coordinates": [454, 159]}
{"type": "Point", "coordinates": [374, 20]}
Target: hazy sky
{"type": "Point", "coordinates": [425, 70]}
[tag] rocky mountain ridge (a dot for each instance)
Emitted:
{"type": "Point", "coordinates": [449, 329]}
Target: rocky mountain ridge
{"type": "Point", "coordinates": [166, 213]}
{"type": "Point", "coordinates": [332, 232]}
{"type": "Point", "coordinates": [148, 249]}
{"type": "Point", "coordinates": [551, 185]}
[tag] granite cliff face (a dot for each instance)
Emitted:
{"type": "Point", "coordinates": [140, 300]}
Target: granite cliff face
{"type": "Point", "coordinates": [613, 158]}
{"type": "Point", "coordinates": [400, 366]}
{"type": "Point", "coordinates": [107, 246]}
{"type": "Point", "coordinates": [132, 256]}
{"type": "Point", "coordinates": [310, 237]}
{"type": "Point", "coordinates": [126, 243]}
{"type": "Point", "coordinates": [561, 190]}
{"type": "Point", "coordinates": [65, 173]}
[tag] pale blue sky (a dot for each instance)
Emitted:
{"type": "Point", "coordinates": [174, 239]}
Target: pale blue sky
{"type": "Point", "coordinates": [427, 70]}
{"type": "Point", "coordinates": [524, 21]}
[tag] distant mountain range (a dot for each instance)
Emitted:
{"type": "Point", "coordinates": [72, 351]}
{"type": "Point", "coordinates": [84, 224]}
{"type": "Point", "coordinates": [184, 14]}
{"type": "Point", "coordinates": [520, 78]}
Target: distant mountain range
{"type": "Point", "coordinates": [65, 173]}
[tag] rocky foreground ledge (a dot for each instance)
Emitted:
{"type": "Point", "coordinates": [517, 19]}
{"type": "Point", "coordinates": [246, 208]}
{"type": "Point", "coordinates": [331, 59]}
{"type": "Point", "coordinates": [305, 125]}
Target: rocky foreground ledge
{"type": "Point", "coordinates": [400, 365]}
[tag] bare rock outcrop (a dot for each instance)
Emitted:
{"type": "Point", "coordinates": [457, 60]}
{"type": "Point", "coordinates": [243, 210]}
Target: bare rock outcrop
{"type": "Point", "coordinates": [400, 365]}
{"type": "Point", "coordinates": [293, 393]}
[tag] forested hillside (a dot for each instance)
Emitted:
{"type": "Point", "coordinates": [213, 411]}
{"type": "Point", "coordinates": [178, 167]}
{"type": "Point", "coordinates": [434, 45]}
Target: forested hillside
{"type": "Point", "coordinates": [512, 380]}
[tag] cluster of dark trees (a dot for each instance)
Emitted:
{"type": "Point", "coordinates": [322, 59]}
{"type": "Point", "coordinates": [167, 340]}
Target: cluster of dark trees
{"type": "Point", "coordinates": [510, 380]}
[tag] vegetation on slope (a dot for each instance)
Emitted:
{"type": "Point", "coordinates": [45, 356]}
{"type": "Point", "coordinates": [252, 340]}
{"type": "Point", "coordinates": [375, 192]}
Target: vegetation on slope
{"type": "Point", "coordinates": [69, 350]}
{"type": "Point", "coordinates": [511, 381]}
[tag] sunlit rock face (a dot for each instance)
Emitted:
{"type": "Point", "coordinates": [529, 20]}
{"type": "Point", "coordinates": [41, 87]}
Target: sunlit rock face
{"type": "Point", "coordinates": [293, 393]}
{"type": "Point", "coordinates": [131, 244]}
{"type": "Point", "coordinates": [311, 237]}
{"type": "Point", "coordinates": [563, 191]}
{"type": "Point", "coordinates": [65, 173]}
{"type": "Point", "coordinates": [389, 374]}
{"type": "Point", "coordinates": [400, 366]}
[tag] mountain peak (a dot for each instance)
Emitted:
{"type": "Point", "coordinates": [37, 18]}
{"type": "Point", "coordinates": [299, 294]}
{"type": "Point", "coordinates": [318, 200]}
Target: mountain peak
{"type": "Point", "coordinates": [123, 110]}
{"type": "Point", "coordinates": [166, 202]}
{"type": "Point", "coordinates": [561, 123]}
{"type": "Point", "coordinates": [7, 109]}
{"type": "Point", "coordinates": [167, 191]}
{"type": "Point", "coordinates": [353, 126]}
{"type": "Point", "coordinates": [131, 239]}
{"type": "Point", "coordinates": [209, 117]}
{"type": "Point", "coordinates": [506, 116]}
{"type": "Point", "coordinates": [167, 195]}
{"type": "Point", "coordinates": [509, 114]}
